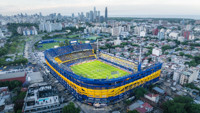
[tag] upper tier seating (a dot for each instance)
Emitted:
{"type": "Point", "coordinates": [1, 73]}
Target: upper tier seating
{"type": "Point", "coordinates": [119, 61]}
{"type": "Point", "coordinates": [68, 49]}
{"type": "Point", "coordinates": [75, 55]}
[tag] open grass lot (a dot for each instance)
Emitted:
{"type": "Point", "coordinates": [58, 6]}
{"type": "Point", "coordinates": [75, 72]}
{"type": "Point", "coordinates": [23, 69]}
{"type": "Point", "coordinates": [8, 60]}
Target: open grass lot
{"type": "Point", "coordinates": [51, 45]}
{"type": "Point", "coordinates": [60, 39]}
{"type": "Point", "coordinates": [48, 46]}
{"type": "Point", "coordinates": [93, 37]}
{"type": "Point", "coordinates": [97, 70]}
{"type": "Point", "coordinates": [20, 47]}
{"type": "Point", "coordinates": [72, 36]}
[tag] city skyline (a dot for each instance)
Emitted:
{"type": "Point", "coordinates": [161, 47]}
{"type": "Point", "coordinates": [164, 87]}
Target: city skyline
{"type": "Point", "coordinates": [116, 8]}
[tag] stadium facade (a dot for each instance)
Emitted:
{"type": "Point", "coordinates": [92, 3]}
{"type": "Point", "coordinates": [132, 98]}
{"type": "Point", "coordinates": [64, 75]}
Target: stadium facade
{"type": "Point", "coordinates": [103, 91]}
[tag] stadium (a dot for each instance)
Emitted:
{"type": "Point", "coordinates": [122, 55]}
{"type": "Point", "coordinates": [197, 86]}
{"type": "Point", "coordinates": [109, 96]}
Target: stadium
{"type": "Point", "coordinates": [98, 78]}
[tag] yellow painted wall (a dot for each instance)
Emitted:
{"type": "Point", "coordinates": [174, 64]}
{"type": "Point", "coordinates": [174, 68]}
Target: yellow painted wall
{"type": "Point", "coordinates": [105, 93]}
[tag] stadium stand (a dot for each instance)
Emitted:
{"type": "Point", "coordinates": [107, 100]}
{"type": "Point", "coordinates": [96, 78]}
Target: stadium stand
{"type": "Point", "coordinates": [119, 61]}
{"type": "Point", "coordinates": [75, 61]}
{"type": "Point", "coordinates": [79, 47]}
{"type": "Point", "coordinates": [91, 91]}
{"type": "Point", "coordinates": [47, 41]}
{"type": "Point", "coordinates": [75, 55]}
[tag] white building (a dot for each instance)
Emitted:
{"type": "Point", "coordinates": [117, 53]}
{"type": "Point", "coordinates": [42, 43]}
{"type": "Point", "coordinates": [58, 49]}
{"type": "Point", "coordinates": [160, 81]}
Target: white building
{"type": "Point", "coordinates": [174, 35]}
{"type": "Point", "coordinates": [49, 27]}
{"type": "Point", "coordinates": [161, 34]}
{"type": "Point", "coordinates": [189, 76]}
{"type": "Point", "coordinates": [42, 97]}
{"type": "Point", "coordinates": [157, 52]}
{"type": "Point", "coordinates": [106, 30]}
{"type": "Point", "coordinates": [191, 37]}
{"type": "Point", "coordinates": [197, 29]}
{"type": "Point", "coordinates": [181, 38]}
{"type": "Point", "coordinates": [1, 34]}
{"type": "Point", "coordinates": [142, 34]}
{"type": "Point", "coordinates": [116, 31]}
{"type": "Point", "coordinates": [152, 97]}
{"type": "Point", "coordinates": [139, 29]}
{"type": "Point", "coordinates": [117, 42]}
{"type": "Point", "coordinates": [124, 34]}
{"type": "Point", "coordinates": [29, 31]}
{"type": "Point", "coordinates": [188, 27]}
{"type": "Point", "coordinates": [85, 31]}
{"type": "Point", "coordinates": [176, 76]}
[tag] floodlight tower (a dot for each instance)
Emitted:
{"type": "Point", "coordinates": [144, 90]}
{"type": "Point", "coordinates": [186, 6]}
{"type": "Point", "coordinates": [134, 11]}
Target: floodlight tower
{"type": "Point", "coordinates": [97, 49]}
{"type": "Point", "coordinates": [140, 58]}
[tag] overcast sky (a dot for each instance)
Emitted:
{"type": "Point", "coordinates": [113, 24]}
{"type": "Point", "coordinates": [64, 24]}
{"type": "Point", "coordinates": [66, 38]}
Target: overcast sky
{"type": "Point", "coordinates": [115, 7]}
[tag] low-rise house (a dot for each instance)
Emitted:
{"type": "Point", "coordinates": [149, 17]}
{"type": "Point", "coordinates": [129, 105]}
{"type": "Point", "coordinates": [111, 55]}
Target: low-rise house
{"type": "Point", "coordinates": [144, 108]}
{"type": "Point", "coordinates": [152, 97]}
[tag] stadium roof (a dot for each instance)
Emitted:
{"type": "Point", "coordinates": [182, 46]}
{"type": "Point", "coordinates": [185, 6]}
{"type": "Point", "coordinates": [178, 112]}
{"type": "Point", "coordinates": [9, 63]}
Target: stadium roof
{"type": "Point", "coordinates": [12, 75]}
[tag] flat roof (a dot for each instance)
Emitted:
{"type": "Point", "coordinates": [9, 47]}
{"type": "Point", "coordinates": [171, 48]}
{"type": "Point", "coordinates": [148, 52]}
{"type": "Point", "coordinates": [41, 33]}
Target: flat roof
{"type": "Point", "coordinates": [35, 77]}
{"type": "Point", "coordinates": [12, 75]}
{"type": "Point", "coordinates": [159, 90]}
{"type": "Point", "coordinates": [47, 99]}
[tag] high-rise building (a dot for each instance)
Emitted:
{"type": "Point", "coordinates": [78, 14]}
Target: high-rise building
{"type": "Point", "coordinates": [106, 14]}
{"type": "Point", "coordinates": [40, 14]}
{"type": "Point", "coordinates": [189, 76]}
{"type": "Point", "coordinates": [98, 13]}
{"type": "Point", "coordinates": [91, 16]}
{"type": "Point", "coordinates": [101, 19]}
{"type": "Point", "coordinates": [88, 15]}
{"type": "Point", "coordinates": [95, 13]}
{"type": "Point", "coordinates": [186, 34]}
{"type": "Point", "coordinates": [72, 15]}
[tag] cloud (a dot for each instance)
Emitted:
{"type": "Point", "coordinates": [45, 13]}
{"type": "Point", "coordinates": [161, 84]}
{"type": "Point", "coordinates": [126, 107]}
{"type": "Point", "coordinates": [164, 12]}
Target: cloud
{"type": "Point", "coordinates": [116, 7]}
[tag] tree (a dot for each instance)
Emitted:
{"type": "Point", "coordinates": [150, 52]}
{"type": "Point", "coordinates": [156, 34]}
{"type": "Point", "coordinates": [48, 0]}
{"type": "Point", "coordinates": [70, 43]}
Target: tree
{"type": "Point", "coordinates": [166, 53]}
{"type": "Point", "coordinates": [195, 60]}
{"type": "Point", "coordinates": [61, 44]}
{"type": "Point", "coordinates": [166, 47]}
{"type": "Point", "coordinates": [181, 53]}
{"type": "Point", "coordinates": [70, 108]}
{"type": "Point", "coordinates": [19, 111]}
{"type": "Point", "coordinates": [109, 46]}
{"type": "Point", "coordinates": [139, 92]}
{"type": "Point", "coordinates": [192, 86]}
{"type": "Point", "coordinates": [66, 43]}
{"type": "Point", "coordinates": [134, 111]}
{"type": "Point", "coordinates": [181, 104]}
{"type": "Point", "coordinates": [3, 51]}
{"type": "Point", "coordinates": [149, 59]}
{"type": "Point", "coordinates": [169, 59]}
{"type": "Point", "coordinates": [11, 84]}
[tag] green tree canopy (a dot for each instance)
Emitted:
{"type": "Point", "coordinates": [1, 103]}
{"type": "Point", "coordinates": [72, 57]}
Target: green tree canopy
{"type": "Point", "coordinates": [70, 108]}
{"type": "Point", "coordinates": [139, 92]}
{"type": "Point", "coordinates": [181, 104]}
{"type": "Point", "coordinates": [134, 111]}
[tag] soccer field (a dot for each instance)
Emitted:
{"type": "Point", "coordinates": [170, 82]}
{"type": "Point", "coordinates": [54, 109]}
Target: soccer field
{"type": "Point", "coordinates": [97, 70]}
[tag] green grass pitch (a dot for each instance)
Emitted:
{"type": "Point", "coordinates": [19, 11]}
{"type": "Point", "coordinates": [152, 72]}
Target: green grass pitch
{"type": "Point", "coordinates": [97, 70]}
